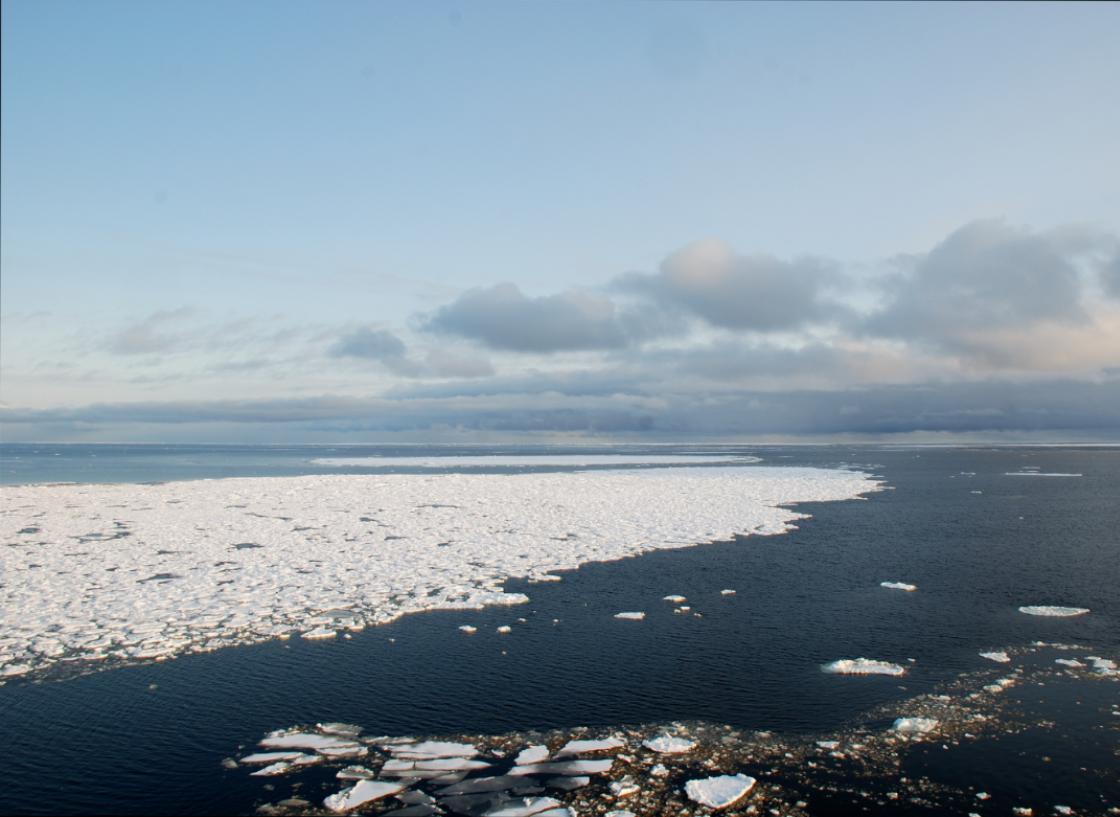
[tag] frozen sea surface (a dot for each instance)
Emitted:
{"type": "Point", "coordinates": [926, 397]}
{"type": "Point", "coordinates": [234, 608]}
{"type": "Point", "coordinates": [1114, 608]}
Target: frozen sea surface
{"type": "Point", "coordinates": [135, 572]}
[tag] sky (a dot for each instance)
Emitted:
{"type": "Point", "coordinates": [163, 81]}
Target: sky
{"type": "Point", "coordinates": [305, 222]}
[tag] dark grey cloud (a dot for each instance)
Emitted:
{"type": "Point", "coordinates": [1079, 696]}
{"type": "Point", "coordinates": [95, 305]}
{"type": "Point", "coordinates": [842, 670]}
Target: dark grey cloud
{"type": "Point", "coordinates": [370, 344]}
{"type": "Point", "coordinates": [985, 276]}
{"type": "Point", "coordinates": [1053, 407]}
{"type": "Point", "coordinates": [742, 292]}
{"type": "Point", "coordinates": [502, 317]}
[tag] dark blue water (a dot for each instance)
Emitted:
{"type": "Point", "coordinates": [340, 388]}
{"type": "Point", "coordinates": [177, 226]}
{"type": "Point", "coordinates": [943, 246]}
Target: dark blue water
{"type": "Point", "coordinates": [150, 739]}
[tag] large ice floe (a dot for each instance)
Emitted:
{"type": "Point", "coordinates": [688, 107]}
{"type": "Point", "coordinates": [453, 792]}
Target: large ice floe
{"type": "Point", "coordinates": [863, 666]}
{"type": "Point", "coordinates": [532, 461]}
{"type": "Point", "coordinates": [1053, 612]}
{"type": "Point", "coordinates": [139, 572]}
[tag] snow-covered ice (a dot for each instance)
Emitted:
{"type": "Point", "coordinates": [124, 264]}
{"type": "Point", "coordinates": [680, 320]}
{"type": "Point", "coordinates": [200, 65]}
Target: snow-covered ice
{"type": "Point", "coordinates": [531, 460]}
{"type": "Point", "coordinates": [1038, 474]}
{"type": "Point", "coordinates": [719, 792]}
{"type": "Point", "coordinates": [910, 588]}
{"type": "Point", "coordinates": [1058, 612]}
{"type": "Point", "coordinates": [999, 657]}
{"type": "Point", "coordinates": [630, 616]}
{"type": "Point", "coordinates": [668, 745]}
{"type": "Point", "coordinates": [583, 747]}
{"type": "Point", "coordinates": [727, 592]}
{"type": "Point", "coordinates": [914, 726]}
{"type": "Point", "coordinates": [364, 791]}
{"type": "Point", "coordinates": [863, 666]}
{"type": "Point", "coordinates": [675, 599]}
{"type": "Point", "coordinates": [135, 572]}
{"type": "Point", "coordinates": [532, 754]}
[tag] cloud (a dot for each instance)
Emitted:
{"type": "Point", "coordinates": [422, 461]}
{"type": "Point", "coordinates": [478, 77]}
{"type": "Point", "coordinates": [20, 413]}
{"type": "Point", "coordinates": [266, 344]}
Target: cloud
{"type": "Point", "coordinates": [501, 317]}
{"type": "Point", "coordinates": [370, 344]}
{"type": "Point", "coordinates": [741, 292]}
{"type": "Point", "coordinates": [152, 334]}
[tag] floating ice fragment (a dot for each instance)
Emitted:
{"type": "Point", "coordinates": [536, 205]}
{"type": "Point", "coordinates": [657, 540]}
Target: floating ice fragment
{"type": "Point", "coordinates": [362, 792]}
{"type": "Point", "coordinates": [525, 807]}
{"type": "Point", "coordinates": [914, 726]}
{"type": "Point", "coordinates": [659, 770]}
{"type": "Point", "coordinates": [345, 729]}
{"type": "Point", "coordinates": [727, 592]}
{"type": "Point", "coordinates": [270, 771]}
{"type": "Point", "coordinates": [1103, 666]}
{"type": "Point", "coordinates": [468, 629]}
{"type": "Point", "coordinates": [619, 812]}
{"type": "Point", "coordinates": [306, 740]}
{"type": "Point", "coordinates": [318, 633]}
{"type": "Point", "coordinates": [630, 616]}
{"type": "Point", "coordinates": [1064, 810]}
{"type": "Point", "coordinates": [910, 588]}
{"type": "Point", "coordinates": [506, 461]}
{"type": "Point", "coordinates": [566, 767]}
{"type": "Point", "coordinates": [675, 599]}
{"type": "Point", "coordinates": [13, 670]}
{"type": "Point", "coordinates": [828, 745]}
{"type": "Point", "coordinates": [1059, 612]}
{"type": "Point", "coordinates": [998, 657]}
{"type": "Point", "coordinates": [1068, 662]}
{"type": "Point", "coordinates": [624, 787]}
{"type": "Point", "coordinates": [532, 754]}
{"type": "Point", "coordinates": [583, 747]}
{"type": "Point", "coordinates": [568, 783]}
{"type": "Point", "coordinates": [270, 757]}
{"type": "Point", "coordinates": [1038, 474]}
{"type": "Point", "coordinates": [720, 791]}
{"type": "Point", "coordinates": [431, 749]}
{"type": "Point", "coordinates": [668, 745]}
{"type": "Point", "coordinates": [863, 666]}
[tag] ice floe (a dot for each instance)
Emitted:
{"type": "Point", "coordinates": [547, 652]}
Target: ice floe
{"type": "Point", "coordinates": [583, 747]}
{"type": "Point", "coordinates": [910, 588]}
{"type": "Point", "coordinates": [727, 592]}
{"type": "Point", "coordinates": [531, 460]}
{"type": "Point", "coordinates": [165, 569]}
{"type": "Point", "coordinates": [1058, 612]}
{"type": "Point", "coordinates": [1038, 474]}
{"type": "Point", "coordinates": [720, 791]}
{"type": "Point", "coordinates": [863, 666]}
{"type": "Point", "coordinates": [914, 726]}
{"type": "Point", "coordinates": [630, 616]}
{"type": "Point", "coordinates": [999, 657]}
{"type": "Point", "coordinates": [675, 599]}
{"type": "Point", "coordinates": [668, 745]}
{"type": "Point", "coordinates": [364, 791]}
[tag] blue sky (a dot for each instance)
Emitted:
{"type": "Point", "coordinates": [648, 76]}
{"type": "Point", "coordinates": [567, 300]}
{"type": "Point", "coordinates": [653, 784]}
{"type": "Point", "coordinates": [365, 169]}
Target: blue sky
{"type": "Point", "coordinates": [433, 219]}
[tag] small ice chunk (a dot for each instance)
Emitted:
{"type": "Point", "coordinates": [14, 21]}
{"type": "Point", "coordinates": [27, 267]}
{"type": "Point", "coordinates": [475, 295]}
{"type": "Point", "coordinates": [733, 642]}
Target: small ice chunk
{"type": "Point", "coordinates": [505, 629]}
{"type": "Point", "coordinates": [1058, 612]}
{"type": "Point", "coordinates": [1068, 662]}
{"type": "Point", "coordinates": [532, 754]}
{"type": "Point", "coordinates": [624, 787]}
{"type": "Point", "coordinates": [354, 773]}
{"type": "Point", "coordinates": [667, 745]}
{"type": "Point", "coordinates": [675, 599]}
{"type": "Point", "coordinates": [999, 657]}
{"type": "Point", "coordinates": [619, 812]}
{"type": "Point", "coordinates": [727, 592]}
{"type": "Point", "coordinates": [720, 791]}
{"type": "Point", "coordinates": [480, 785]}
{"type": "Point", "coordinates": [909, 588]}
{"type": "Point", "coordinates": [863, 666]}
{"type": "Point", "coordinates": [274, 769]}
{"type": "Point", "coordinates": [364, 791]}
{"type": "Point", "coordinates": [318, 634]}
{"type": "Point", "coordinates": [468, 629]}
{"type": "Point", "coordinates": [583, 747]}
{"type": "Point", "coordinates": [828, 745]}
{"type": "Point", "coordinates": [659, 770]}
{"type": "Point", "coordinates": [1064, 810]}
{"type": "Point", "coordinates": [914, 726]}
{"type": "Point", "coordinates": [1103, 666]}
{"type": "Point", "coordinates": [630, 616]}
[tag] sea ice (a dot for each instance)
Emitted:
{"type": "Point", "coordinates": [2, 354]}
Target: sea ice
{"type": "Point", "coordinates": [1069, 662]}
{"type": "Point", "coordinates": [668, 745]}
{"type": "Point", "coordinates": [525, 807]}
{"type": "Point", "coordinates": [675, 599]}
{"type": "Point", "coordinates": [431, 750]}
{"type": "Point", "coordinates": [532, 754]}
{"type": "Point", "coordinates": [1060, 612]}
{"type": "Point", "coordinates": [307, 740]}
{"type": "Point", "coordinates": [530, 461]}
{"type": "Point", "coordinates": [505, 629]}
{"type": "Point", "coordinates": [468, 629]}
{"type": "Point", "coordinates": [899, 586]}
{"type": "Point", "coordinates": [583, 747]}
{"type": "Point", "coordinates": [364, 791]}
{"type": "Point", "coordinates": [719, 792]}
{"type": "Point", "coordinates": [998, 657]}
{"type": "Point", "coordinates": [270, 757]}
{"type": "Point", "coordinates": [1038, 474]}
{"type": "Point", "coordinates": [565, 767]}
{"type": "Point", "coordinates": [334, 553]}
{"type": "Point", "coordinates": [863, 666]}
{"type": "Point", "coordinates": [630, 616]}
{"type": "Point", "coordinates": [727, 592]}
{"type": "Point", "coordinates": [914, 726]}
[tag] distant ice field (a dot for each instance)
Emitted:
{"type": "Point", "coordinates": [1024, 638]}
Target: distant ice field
{"type": "Point", "coordinates": [530, 461]}
{"type": "Point", "coordinates": [134, 572]}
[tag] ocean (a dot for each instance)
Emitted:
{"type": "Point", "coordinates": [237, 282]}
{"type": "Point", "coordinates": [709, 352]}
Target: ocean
{"type": "Point", "coordinates": [979, 532]}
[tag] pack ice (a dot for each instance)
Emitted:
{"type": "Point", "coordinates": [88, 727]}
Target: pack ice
{"type": "Point", "coordinates": [135, 572]}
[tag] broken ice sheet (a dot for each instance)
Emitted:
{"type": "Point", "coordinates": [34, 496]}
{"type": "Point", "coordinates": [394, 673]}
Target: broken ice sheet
{"type": "Point", "coordinates": [362, 792]}
{"type": "Point", "coordinates": [720, 791]}
{"type": "Point", "coordinates": [863, 666]}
